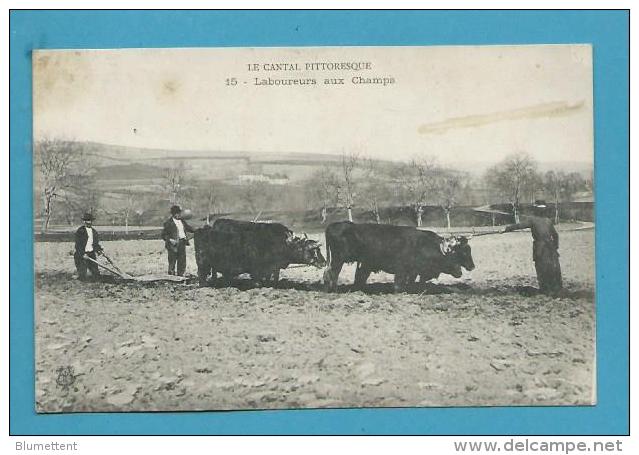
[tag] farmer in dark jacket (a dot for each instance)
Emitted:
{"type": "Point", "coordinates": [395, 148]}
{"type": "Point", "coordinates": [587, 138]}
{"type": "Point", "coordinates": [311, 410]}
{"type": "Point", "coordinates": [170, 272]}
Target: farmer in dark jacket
{"type": "Point", "coordinates": [545, 254]}
{"type": "Point", "coordinates": [175, 241]}
{"type": "Point", "coordinates": [86, 245]}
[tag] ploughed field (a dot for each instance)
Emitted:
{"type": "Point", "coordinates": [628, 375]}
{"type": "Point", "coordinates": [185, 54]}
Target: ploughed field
{"type": "Point", "coordinates": [484, 339]}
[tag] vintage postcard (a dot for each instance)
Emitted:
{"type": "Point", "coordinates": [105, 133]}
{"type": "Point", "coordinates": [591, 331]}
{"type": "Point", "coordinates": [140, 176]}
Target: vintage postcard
{"type": "Point", "coordinates": [276, 228]}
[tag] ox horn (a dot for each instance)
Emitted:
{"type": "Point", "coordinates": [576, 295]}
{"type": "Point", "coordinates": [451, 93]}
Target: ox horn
{"type": "Point", "coordinates": [289, 237]}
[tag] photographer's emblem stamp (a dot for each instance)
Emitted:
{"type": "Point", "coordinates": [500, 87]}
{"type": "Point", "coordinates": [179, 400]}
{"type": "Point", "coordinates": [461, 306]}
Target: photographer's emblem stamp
{"type": "Point", "coordinates": [65, 378]}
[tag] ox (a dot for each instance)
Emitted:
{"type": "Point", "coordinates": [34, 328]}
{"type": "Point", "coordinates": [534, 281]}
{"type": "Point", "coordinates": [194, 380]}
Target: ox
{"type": "Point", "coordinates": [403, 251]}
{"type": "Point", "coordinates": [233, 247]}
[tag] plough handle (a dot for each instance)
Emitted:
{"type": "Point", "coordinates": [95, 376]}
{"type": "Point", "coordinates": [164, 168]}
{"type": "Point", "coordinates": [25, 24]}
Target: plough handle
{"type": "Point", "coordinates": [120, 274]}
{"type": "Point", "coordinates": [111, 262]}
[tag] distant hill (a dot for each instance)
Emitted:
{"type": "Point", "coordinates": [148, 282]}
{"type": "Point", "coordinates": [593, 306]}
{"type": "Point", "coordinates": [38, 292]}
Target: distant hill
{"type": "Point", "coordinates": [113, 155]}
{"type": "Point", "coordinates": [119, 153]}
{"type": "Point", "coordinates": [129, 171]}
{"type": "Point", "coordinates": [125, 163]}
{"type": "Point", "coordinates": [132, 175]}
{"type": "Point", "coordinates": [478, 168]}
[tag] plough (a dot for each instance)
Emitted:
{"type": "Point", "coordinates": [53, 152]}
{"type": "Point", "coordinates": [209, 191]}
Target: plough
{"type": "Point", "coordinates": [115, 270]}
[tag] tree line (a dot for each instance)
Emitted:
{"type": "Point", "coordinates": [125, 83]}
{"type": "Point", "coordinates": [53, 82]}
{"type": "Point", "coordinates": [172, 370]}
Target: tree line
{"type": "Point", "coordinates": [68, 184]}
{"type": "Point", "coordinates": [422, 182]}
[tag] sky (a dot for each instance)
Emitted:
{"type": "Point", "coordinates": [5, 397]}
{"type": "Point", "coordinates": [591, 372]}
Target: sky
{"type": "Point", "coordinates": [460, 103]}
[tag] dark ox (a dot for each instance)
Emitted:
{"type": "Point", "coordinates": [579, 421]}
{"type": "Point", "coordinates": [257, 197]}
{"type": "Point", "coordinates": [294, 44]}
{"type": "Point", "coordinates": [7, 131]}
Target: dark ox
{"type": "Point", "coordinates": [403, 251]}
{"type": "Point", "coordinates": [233, 247]}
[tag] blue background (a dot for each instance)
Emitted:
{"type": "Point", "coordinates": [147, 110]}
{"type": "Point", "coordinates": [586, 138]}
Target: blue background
{"type": "Point", "coordinates": [606, 30]}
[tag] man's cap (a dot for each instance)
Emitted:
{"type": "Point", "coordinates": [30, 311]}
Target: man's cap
{"type": "Point", "coordinates": [87, 217]}
{"type": "Point", "coordinates": [175, 209]}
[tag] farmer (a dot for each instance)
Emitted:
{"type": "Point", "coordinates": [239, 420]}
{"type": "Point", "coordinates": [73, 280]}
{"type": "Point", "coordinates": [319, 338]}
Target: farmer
{"type": "Point", "coordinates": [545, 254]}
{"type": "Point", "coordinates": [175, 241]}
{"type": "Point", "coordinates": [86, 245]}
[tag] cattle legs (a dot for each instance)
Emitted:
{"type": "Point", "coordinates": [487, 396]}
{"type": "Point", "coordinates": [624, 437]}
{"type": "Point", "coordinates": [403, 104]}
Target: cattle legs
{"type": "Point", "coordinates": [361, 275]}
{"type": "Point", "coordinates": [266, 277]}
{"type": "Point", "coordinates": [331, 274]}
{"type": "Point", "coordinates": [203, 271]}
{"type": "Point", "coordinates": [204, 268]}
{"type": "Point", "coordinates": [202, 275]}
{"type": "Point", "coordinates": [402, 281]}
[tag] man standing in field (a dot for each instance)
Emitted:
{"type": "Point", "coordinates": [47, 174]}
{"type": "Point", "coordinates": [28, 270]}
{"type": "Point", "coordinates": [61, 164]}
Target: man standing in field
{"type": "Point", "coordinates": [545, 254]}
{"type": "Point", "coordinates": [86, 245]}
{"type": "Point", "coordinates": [175, 241]}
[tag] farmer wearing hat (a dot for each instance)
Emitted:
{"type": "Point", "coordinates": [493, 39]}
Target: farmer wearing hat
{"type": "Point", "coordinates": [175, 241]}
{"type": "Point", "coordinates": [86, 245]}
{"type": "Point", "coordinates": [545, 246]}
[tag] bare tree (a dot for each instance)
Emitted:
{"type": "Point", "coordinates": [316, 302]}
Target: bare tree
{"type": "Point", "coordinates": [174, 177]}
{"type": "Point", "coordinates": [553, 186]}
{"type": "Point", "coordinates": [80, 194]}
{"type": "Point", "coordinates": [250, 194]}
{"type": "Point", "coordinates": [449, 189]}
{"type": "Point", "coordinates": [373, 186]}
{"type": "Point", "coordinates": [534, 185]}
{"type": "Point", "coordinates": [573, 183]}
{"type": "Point", "coordinates": [509, 178]}
{"type": "Point", "coordinates": [419, 181]}
{"type": "Point", "coordinates": [84, 195]}
{"type": "Point", "coordinates": [347, 195]}
{"type": "Point", "coordinates": [144, 207]}
{"type": "Point", "coordinates": [66, 174]}
{"type": "Point", "coordinates": [562, 187]}
{"type": "Point", "coordinates": [212, 199]}
{"type": "Point", "coordinates": [128, 207]}
{"type": "Point", "coordinates": [323, 189]}
{"type": "Point", "coordinates": [54, 159]}
{"type": "Point", "coordinates": [257, 196]}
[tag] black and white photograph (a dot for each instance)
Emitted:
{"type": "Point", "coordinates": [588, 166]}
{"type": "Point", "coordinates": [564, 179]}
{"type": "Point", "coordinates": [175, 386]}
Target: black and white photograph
{"type": "Point", "coordinates": [313, 227]}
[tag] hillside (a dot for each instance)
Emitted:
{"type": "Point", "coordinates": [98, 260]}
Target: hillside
{"type": "Point", "coordinates": [213, 164]}
{"type": "Point", "coordinates": [237, 181]}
